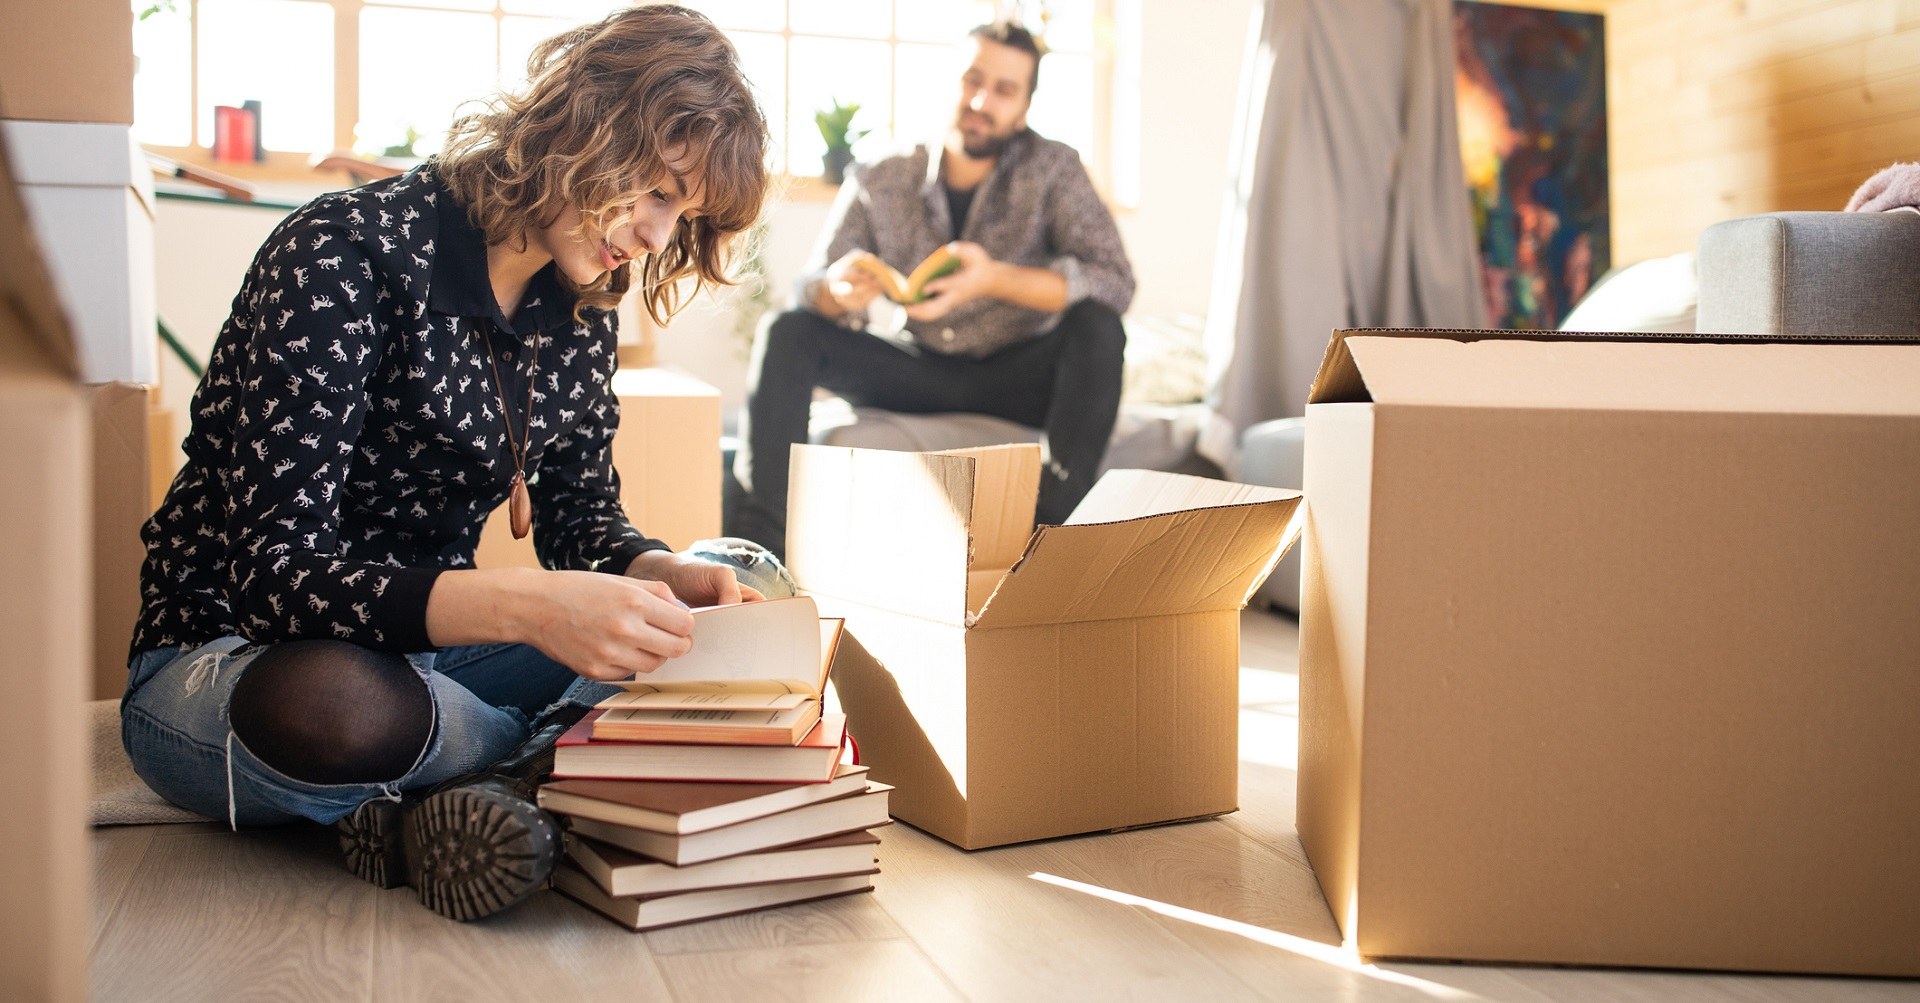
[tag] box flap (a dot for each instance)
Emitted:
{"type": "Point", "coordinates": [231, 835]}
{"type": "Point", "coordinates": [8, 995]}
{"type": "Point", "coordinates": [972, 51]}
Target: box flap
{"type": "Point", "coordinates": [1006, 488]}
{"type": "Point", "coordinates": [1167, 564]}
{"type": "Point", "coordinates": [1130, 494]}
{"type": "Point", "coordinates": [33, 332]}
{"type": "Point", "coordinates": [1709, 373]}
{"type": "Point", "coordinates": [882, 528]}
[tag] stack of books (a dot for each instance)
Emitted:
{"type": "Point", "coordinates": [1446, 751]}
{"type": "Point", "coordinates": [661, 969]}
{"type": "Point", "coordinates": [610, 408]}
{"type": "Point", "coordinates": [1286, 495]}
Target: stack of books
{"type": "Point", "coordinates": [714, 785]}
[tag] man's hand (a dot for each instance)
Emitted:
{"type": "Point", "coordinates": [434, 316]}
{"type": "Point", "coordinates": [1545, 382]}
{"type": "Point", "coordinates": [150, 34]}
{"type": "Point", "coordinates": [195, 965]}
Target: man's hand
{"type": "Point", "coordinates": [694, 582]}
{"type": "Point", "coordinates": [976, 278]}
{"type": "Point", "coordinates": [848, 288]}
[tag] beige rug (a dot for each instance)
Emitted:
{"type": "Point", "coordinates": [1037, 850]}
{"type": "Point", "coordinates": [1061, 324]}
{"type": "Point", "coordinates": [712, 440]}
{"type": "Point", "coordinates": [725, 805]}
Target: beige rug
{"type": "Point", "coordinates": [119, 796]}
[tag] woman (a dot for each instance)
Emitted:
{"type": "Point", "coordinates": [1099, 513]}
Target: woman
{"type": "Point", "coordinates": [401, 358]}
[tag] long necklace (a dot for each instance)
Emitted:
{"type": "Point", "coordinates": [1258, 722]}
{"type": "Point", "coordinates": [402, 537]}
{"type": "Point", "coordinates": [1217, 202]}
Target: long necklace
{"type": "Point", "coordinates": [519, 503]}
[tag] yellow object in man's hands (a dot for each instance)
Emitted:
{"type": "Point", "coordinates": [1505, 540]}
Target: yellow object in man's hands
{"type": "Point", "coordinates": [910, 288]}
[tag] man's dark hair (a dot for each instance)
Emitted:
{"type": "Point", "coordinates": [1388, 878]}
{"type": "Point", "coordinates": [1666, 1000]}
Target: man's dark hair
{"type": "Point", "coordinates": [1014, 36]}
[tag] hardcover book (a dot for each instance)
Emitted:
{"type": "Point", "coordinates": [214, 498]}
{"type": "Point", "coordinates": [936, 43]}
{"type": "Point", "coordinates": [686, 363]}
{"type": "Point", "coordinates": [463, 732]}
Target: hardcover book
{"type": "Point", "coordinates": [621, 873]}
{"type": "Point", "coordinates": [651, 913]}
{"type": "Point", "coordinates": [852, 812]}
{"type": "Point", "coordinates": [679, 807]}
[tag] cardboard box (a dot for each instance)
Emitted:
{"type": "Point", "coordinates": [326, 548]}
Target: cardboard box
{"type": "Point", "coordinates": [1016, 684]}
{"type": "Point", "coordinates": [44, 854]}
{"type": "Point", "coordinates": [89, 196]}
{"type": "Point", "coordinates": [1608, 650]}
{"type": "Point", "coordinates": [667, 453]}
{"type": "Point", "coordinates": [70, 61]}
{"type": "Point", "coordinates": [121, 482]}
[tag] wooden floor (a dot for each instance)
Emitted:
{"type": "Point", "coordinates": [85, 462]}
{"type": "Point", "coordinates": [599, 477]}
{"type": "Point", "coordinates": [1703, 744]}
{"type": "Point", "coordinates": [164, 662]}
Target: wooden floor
{"type": "Point", "coordinates": [1220, 910]}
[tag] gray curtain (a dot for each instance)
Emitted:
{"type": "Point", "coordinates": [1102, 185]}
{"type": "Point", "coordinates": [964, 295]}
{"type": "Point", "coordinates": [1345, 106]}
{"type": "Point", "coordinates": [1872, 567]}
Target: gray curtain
{"type": "Point", "coordinates": [1346, 205]}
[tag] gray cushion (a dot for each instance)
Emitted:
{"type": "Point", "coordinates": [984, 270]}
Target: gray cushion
{"type": "Point", "coordinates": [1812, 273]}
{"type": "Point", "coordinates": [1274, 454]}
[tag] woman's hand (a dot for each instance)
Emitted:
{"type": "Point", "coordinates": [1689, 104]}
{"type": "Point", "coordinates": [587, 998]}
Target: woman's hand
{"type": "Point", "coordinates": [694, 582]}
{"type": "Point", "coordinates": [599, 625]}
{"type": "Point", "coordinates": [606, 626]}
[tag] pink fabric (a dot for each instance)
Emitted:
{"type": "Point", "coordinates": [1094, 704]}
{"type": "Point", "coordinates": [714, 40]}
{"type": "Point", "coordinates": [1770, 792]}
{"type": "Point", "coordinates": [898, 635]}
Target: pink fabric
{"type": "Point", "coordinates": [1895, 187]}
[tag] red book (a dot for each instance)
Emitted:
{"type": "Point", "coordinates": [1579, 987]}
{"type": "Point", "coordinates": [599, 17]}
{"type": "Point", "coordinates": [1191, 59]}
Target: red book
{"type": "Point", "coordinates": [579, 754]}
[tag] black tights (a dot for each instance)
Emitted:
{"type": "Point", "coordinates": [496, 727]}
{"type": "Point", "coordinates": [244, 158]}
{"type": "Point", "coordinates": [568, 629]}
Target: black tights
{"type": "Point", "coordinates": [328, 712]}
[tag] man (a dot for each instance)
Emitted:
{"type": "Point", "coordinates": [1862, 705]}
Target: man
{"type": "Point", "coordinates": [1028, 329]}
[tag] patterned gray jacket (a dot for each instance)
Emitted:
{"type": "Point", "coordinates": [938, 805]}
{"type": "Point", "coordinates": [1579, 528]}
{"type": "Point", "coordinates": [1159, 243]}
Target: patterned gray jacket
{"type": "Point", "coordinates": [1038, 209]}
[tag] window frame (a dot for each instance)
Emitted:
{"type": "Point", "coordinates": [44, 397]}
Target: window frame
{"type": "Point", "coordinates": [294, 166]}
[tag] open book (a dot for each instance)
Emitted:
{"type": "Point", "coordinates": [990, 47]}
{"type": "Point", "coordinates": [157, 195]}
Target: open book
{"type": "Point", "coordinates": [910, 288]}
{"type": "Point", "coordinates": [754, 677]}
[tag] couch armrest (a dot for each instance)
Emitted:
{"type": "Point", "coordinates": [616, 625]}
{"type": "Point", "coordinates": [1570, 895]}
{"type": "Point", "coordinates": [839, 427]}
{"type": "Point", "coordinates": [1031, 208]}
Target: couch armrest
{"type": "Point", "coordinates": [1812, 273]}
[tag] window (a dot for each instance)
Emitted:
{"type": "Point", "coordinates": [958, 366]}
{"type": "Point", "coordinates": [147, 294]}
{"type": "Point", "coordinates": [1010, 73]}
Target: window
{"type": "Point", "coordinates": [333, 74]}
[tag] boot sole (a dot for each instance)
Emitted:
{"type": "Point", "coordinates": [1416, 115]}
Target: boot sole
{"type": "Point", "coordinates": [467, 853]}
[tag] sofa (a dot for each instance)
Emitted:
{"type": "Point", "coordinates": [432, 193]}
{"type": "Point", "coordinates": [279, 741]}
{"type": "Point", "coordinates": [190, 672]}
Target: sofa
{"type": "Point", "coordinates": [1827, 274]}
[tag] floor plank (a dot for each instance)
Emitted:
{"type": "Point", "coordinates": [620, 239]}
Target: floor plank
{"type": "Point", "coordinates": [882, 971]}
{"type": "Point", "coordinates": [998, 933]}
{"type": "Point", "coordinates": [547, 948]}
{"type": "Point", "coordinates": [117, 852]}
{"type": "Point", "coordinates": [249, 915]}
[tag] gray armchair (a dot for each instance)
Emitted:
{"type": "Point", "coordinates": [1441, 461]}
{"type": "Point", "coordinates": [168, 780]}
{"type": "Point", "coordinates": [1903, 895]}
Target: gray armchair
{"type": "Point", "coordinates": [1812, 273]}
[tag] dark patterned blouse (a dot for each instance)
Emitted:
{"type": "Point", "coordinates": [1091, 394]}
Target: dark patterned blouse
{"type": "Point", "coordinates": [347, 441]}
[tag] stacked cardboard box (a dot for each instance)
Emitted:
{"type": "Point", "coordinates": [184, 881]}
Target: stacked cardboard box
{"type": "Point", "coordinates": [1608, 649]}
{"type": "Point", "coordinates": [44, 420]}
{"type": "Point", "coordinates": [667, 453]}
{"type": "Point", "coordinates": [1020, 684]}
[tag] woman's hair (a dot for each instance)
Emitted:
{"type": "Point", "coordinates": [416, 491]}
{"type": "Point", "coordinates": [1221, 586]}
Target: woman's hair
{"type": "Point", "coordinates": [606, 107]}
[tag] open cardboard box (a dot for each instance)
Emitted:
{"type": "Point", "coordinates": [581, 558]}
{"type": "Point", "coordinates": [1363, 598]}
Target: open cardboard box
{"type": "Point", "coordinates": [1609, 650]}
{"type": "Point", "coordinates": [45, 616]}
{"type": "Point", "coordinates": [1013, 683]}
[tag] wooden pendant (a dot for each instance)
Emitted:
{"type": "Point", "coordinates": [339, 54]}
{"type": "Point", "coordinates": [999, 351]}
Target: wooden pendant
{"type": "Point", "coordinates": [520, 508]}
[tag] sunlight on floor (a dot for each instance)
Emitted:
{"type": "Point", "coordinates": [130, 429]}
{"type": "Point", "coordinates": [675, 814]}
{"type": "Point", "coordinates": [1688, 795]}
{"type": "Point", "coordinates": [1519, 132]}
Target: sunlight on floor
{"type": "Point", "coordinates": [1339, 957]}
{"type": "Point", "coordinates": [1270, 717]}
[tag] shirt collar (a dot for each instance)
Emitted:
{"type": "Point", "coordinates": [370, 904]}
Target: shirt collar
{"type": "Point", "coordinates": [458, 284]}
{"type": "Point", "coordinates": [936, 152]}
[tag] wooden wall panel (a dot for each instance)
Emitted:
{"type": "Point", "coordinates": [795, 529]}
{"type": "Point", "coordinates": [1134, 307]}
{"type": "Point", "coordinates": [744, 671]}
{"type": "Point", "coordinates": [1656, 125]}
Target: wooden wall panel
{"type": "Point", "coordinates": [1724, 108]}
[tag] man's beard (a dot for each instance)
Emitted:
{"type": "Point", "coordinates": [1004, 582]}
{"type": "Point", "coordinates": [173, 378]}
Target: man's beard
{"type": "Point", "coordinates": [986, 147]}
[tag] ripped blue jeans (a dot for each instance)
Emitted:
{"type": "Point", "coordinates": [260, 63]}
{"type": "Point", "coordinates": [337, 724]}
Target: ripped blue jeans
{"type": "Point", "coordinates": [173, 719]}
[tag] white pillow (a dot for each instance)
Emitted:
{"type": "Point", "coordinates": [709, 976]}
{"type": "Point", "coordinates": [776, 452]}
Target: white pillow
{"type": "Point", "coordinates": [1656, 295]}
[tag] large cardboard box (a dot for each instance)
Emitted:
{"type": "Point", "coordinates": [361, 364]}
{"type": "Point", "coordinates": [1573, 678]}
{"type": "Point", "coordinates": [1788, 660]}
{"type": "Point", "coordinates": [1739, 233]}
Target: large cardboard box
{"type": "Point", "coordinates": [44, 603]}
{"type": "Point", "coordinates": [1016, 684]}
{"type": "Point", "coordinates": [70, 61]}
{"type": "Point", "coordinates": [1609, 652]}
{"type": "Point", "coordinates": [121, 483]}
{"type": "Point", "coordinates": [667, 453]}
{"type": "Point", "coordinates": [89, 196]}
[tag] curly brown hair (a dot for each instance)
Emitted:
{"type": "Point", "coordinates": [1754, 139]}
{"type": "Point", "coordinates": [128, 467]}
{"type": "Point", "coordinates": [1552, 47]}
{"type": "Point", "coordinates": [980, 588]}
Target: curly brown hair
{"type": "Point", "coordinates": [609, 112]}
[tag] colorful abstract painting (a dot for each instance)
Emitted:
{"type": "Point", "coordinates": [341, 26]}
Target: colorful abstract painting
{"type": "Point", "coordinates": [1531, 87]}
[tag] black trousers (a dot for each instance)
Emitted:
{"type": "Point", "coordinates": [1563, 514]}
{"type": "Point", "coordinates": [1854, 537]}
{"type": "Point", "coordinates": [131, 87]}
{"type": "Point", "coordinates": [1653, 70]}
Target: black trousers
{"type": "Point", "coordinates": [1065, 382]}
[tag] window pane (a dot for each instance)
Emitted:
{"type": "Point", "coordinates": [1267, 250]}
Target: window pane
{"type": "Point", "coordinates": [757, 15]}
{"type": "Point", "coordinates": [947, 23]}
{"type": "Point", "coordinates": [764, 58]}
{"type": "Point", "coordinates": [293, 83]}
{"type": "Point", "coordinates": [518, 36]}
{"type": "Point", "coordinates": [404, 84]}
{"type": "Point", "coordinates": [1063, 106]}
{"type": "Point", "coordinates": [450, 4]}
{"type": "Point", "coordinates": [926, 90]}
{"type": "Point", "coordinates": [828, 68]}
{"type": "Point", "coordinates": [859, 18]}
{"type": "Point", "coordinates": [1068, 26]}
{"type": "Point", "coordinates": [576, 11]}
{"type": "Point", "coordinates": [163, 76]}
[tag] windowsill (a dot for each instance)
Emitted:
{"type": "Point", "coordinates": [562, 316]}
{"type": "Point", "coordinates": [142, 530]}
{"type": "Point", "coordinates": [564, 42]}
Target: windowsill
{"type": "Point", "coordinates": [290, 170]}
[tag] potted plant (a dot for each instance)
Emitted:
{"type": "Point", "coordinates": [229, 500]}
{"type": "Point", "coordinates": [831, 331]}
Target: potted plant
{"type": "Point", "coordinates": [836, 128]}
